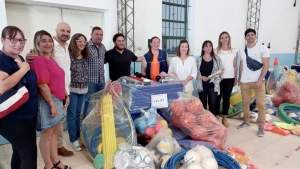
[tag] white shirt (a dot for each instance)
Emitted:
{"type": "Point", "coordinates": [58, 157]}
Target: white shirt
{"type": "Point", "coordinates": [184, 69]}
{"type": "Point", "coordinates": [62, 58]}
{"type": "Point", "coordinates": [257, 52]}
{"type": "Point", "coordinates": [227, 58]}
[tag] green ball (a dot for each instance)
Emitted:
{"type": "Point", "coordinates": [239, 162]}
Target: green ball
{"type": "Point", "coordinates": [99, 161]}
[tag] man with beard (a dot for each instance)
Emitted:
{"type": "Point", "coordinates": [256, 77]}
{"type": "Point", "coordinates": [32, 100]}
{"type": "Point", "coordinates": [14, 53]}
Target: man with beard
{"type": "Point", "coordinates": [62, 58]}
{"type": "Point", "coordinates": [119, 58]}
{"type": "Point", "coordinates": [250, 78]}
{"type": "Point", "coordinates": [96, 62]}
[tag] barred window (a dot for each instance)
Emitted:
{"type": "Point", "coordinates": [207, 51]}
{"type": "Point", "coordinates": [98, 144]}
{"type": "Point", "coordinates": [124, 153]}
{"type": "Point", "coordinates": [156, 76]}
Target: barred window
{"type": "Point", "coordinates": [174, 24]}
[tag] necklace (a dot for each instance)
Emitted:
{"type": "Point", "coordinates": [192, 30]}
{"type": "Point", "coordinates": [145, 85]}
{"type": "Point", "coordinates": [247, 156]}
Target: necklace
{"type": "Point", "coordinates": [207, 60]}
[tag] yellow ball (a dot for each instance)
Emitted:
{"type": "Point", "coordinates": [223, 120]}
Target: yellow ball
{"type": "Point", "coordinates": [170, 131]}
{"type": "Point", "coordinates": [164, 123]}
{"type": "Point", "coordinates": [99, 148]}
{"type": "Point", "coordinates": [269, 111]}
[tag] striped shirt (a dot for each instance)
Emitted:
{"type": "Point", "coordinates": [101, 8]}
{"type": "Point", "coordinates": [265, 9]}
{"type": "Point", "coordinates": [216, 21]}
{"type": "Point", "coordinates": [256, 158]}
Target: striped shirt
{"type": "Point", "coordinates": [96, 63]}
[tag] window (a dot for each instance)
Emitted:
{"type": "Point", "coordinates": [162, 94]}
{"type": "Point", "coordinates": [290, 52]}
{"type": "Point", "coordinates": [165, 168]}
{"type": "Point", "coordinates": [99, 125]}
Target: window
{"type": "Point", "coordinates": [174, 24]}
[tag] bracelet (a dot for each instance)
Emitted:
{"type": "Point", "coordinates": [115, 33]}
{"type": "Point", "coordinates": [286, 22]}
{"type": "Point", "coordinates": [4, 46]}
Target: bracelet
{"type": "Point", "coordinates": [50, 103]}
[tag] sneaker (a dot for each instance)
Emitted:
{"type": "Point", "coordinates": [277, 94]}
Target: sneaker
{"type": "Point", "coordinates": [64, 152]}
{"type": "Point", "coordinates": [76, 146]}
{"type": "Point", "coordinates": [261, 132]}
{"type": "Point", "coordinates": [243, 125]}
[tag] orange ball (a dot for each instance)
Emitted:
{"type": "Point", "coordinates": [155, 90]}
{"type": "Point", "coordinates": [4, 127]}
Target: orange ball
{"type": "Point", "coordinates": [176, 121]}
{"type": "Point", "coordinates": [194, 105]}
{"type": "Point", "coordinates": [178, 107]}
{"type": "Point", "coordinates": [187, 119]}
{"type": "Point", "coordinates": [199, 133]}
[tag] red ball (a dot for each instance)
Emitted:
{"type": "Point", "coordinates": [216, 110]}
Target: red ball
{"type": "Point", "coordinates": [149, 131]}
{"type": "Point", "coordinates": [194, 105]}
{"type": "Point", "coordinates": [178, 107]}
{"type": "Point", "coordinates": [157, 127]}
{"type": "Point", "coordinates": [187, 119]}
{"type": "Point", "coordinates": [176, 122]}
{"type": "Point", "coordinates": [199, 133]}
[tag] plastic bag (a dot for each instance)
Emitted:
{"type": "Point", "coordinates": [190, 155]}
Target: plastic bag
{"type": "Point", "coordinates": [237, 154]}
{"type": "Point", "coordinates": [133, 157]}
{"type": "Point", "coordinates": [189, 115]}
{"type": "Point", "coordinates": [162, 147]}
{"type": "Point", "coordinates": [149, 123]}
{"type": "Point", "coordinates": [288, 92]}
{"type": "Point", "coordinates": [108, 124]}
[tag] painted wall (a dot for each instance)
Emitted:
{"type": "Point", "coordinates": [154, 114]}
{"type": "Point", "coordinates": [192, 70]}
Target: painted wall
{"type": "Point", "coordinates": [3, 21]}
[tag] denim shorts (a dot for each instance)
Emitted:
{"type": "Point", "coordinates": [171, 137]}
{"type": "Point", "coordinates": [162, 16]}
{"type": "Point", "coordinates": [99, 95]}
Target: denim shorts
{"type": "Point", "coordinates": [45, 120]}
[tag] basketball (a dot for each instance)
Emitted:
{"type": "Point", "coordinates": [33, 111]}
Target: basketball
{"type": "Point", "coordinates": [178, 107]}
{"type": "Point", "coordinates": [199, 133]}
{"type": "Point", "coordinates": [187, 119]}
{"type": "Point", "coordinates": [194, 105]}
{"type": "Point", "coordinates": [176, 122]}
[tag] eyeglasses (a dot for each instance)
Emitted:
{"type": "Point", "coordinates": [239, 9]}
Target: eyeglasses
{"type": "Point", "coordinates": [81, 42]}
{"type": "Point", "coordinates": [14, 40]}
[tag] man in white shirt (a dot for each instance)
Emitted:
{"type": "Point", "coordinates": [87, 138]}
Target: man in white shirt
{"type": "Point", "coordinates": [62, 57]}
{"type": "Point", "coordinates": [253, 79]}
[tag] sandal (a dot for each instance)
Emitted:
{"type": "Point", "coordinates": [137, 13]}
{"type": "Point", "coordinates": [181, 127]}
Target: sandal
{"type": "Point", "coordinates": [225, 123]}
{"type": "Point", "coordinates": [55, 166]}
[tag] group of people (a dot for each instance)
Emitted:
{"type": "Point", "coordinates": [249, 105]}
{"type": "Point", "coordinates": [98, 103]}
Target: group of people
{"type": "Point", "coordinates": [60, 75]}
{"type": "Point", "coordinates": [216, 73]}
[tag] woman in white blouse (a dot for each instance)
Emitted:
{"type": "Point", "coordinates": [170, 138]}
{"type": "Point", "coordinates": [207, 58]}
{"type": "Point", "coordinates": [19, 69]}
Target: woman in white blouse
{"type": "Point", "coordinates": [184, 66]}
{"type": "Point", "coordinates": [228, 56]}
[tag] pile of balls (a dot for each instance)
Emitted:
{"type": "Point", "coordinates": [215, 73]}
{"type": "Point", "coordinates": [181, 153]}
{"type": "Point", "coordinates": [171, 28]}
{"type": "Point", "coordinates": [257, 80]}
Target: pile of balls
{"type": "Point", "coordinates": [190, 116]}
{"type": "Point", "coordinates": [150, 129]}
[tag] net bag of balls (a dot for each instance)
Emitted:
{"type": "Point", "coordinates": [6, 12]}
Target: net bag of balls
{"type": "Point", "coordinates": [162, 147]}
{"type": "Point", "coordinates": [189, 115]}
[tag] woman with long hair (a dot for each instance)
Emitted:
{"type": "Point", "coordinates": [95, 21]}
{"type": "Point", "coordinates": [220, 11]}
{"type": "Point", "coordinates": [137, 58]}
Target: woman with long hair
{"type": "Point", "coordinates": [79, 53]}
{"type": "Point", "coordinates": [228, 56]}
{"type": "Point", "coordinates": [184, 66]}
{"type": "Point", "coordinates": [209, 70]}
{"type": "Point", "coordinates": [155, 61]}
{"type": "Point", "coordinates": [51, 85]}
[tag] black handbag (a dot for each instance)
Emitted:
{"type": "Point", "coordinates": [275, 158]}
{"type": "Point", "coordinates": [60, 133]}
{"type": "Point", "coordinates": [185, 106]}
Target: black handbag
{"type": "Point", "coordinates": [252, 64]}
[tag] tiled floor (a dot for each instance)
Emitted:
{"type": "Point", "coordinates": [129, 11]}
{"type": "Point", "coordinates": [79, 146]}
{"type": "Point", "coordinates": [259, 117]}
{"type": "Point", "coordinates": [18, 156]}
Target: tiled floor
{"type": "Point", "coordinates": [270, 152]}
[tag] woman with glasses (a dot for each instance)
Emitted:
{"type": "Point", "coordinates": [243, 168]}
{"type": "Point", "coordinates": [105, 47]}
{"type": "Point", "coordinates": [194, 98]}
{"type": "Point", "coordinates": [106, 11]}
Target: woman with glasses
{"type": "Point", "coordinates": [79, 53]}
{"type": "Point", "coordinates": [18, 127]}
{"type": "Point", "coordinates": [51, 85]}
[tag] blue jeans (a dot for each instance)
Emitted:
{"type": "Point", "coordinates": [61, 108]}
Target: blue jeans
{"type": "Point", "coordinates": [210, 96]}
{"type": "Point", "coordinates": [93, 88]}
{"type": "Point", "coordinates": [73, 115]}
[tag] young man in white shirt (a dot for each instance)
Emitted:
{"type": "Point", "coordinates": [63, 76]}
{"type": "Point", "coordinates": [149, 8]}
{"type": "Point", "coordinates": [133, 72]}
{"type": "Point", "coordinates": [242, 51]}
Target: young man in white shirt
{"type": "Point", "coordinates": [253, 79]}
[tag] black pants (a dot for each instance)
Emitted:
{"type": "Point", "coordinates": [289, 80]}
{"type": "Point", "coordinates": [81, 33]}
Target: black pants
{"type": "Point", "coordinates": [22, 136]}
{"type": "Point", "coordinates": [226, 86]}
{"type": "Point", "coordinates": [210, 96]}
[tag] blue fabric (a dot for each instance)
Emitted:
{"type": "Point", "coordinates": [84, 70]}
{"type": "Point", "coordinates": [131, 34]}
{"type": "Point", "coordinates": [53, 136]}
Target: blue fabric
{"type": "Point", "coordinates": [93, 88]}
{"type": "Point", "coordinates": [45, 119]}
{"type": "Point", "coordinates": [30, 108]}
{"type": "Point", "coordinates": [73, 115]}
{"type": "Point", "coordinates": [96, 63]}
{"type": "Point", "coordinates": [162, 59]}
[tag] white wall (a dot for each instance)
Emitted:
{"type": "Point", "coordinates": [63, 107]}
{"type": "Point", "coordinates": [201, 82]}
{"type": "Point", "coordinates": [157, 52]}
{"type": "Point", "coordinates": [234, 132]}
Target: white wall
{"type": "Point", "coordinates": [3, 21]}
{"type": "Point", "coordinates": [148, 23]}
{"type": "Point", "coordinates": [207, 19]}
{"type": "Point", "coordinates": [279, 24]}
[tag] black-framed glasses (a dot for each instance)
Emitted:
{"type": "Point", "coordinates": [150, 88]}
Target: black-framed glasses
{"type": "Point", "coordinates": [15, 40]}
{"type": "Point", "coordinates": [81, 41]}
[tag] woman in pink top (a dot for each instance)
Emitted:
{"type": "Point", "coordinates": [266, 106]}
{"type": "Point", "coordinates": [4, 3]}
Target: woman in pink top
{"type": "Point", "coordinates": [51, 84]}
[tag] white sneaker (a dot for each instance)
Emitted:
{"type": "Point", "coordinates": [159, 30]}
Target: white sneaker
{"type": "Point", "coordinates": [76, 146]}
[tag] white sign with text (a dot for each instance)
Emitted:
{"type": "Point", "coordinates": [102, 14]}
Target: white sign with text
{"type": "Point", "coordinates": [159, 101]}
